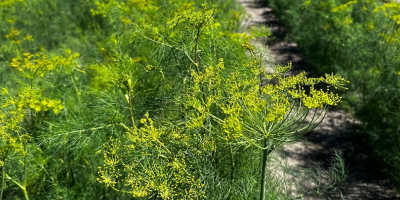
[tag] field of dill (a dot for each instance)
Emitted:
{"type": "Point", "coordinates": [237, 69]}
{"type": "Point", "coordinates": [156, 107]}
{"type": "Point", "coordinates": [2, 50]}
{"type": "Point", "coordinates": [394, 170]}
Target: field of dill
{"type": "Point", "coordinates": [143, 99]}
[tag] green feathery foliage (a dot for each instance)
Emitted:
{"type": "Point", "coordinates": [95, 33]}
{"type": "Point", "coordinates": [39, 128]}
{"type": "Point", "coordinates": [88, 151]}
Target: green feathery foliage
{"type": "Point", "coordinates": [164, 100]}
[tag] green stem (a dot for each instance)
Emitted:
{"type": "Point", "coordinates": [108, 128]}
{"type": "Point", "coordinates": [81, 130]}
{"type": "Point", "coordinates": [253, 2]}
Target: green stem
{"type": "Point", "coordinates": [266, 152]}
{"type": "Point", "coordinates": [197, 64]}
{"type": "Point", "coordinates": [25, 164]}
{"type": "Point", "coordinates": [128, 88]}
{"type": "Point", "coordinates": [2, 182]}
{"type": "Point", "coordinates": [232, 161]}
{"type": "Point", "coordinates": [195, 50]}
{"type": "Point", "coordinates": [78, 94]}
{"type": "Point", "coordinates": [165, 148]}
{"type": "Point", "coordinates": [25, 173]}
{"type": "Point", "coordinates": [25, 194]}
{"type": "Point", "coordinates": [23, 188]}
{"type": "Point", "coordinates": [232, 168]}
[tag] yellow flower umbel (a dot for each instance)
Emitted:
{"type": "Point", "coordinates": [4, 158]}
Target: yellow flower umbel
{"type": "Point", "coordinates": [343, 7]}
{"type": "Point", "coordinates": [36, 65]}
{"type": "Point", "coordinates": [391, 11]}
{"type": "Point", "coordinates": [248, 110]}
{"type": "Point", "coordinates": [154, 166]}
{"type": "Point", "coordinates": [30, 98]}
{"type": "Point", "coordinates": [10, 126]}
{"type": "Point", "coordinates": [232, 124]}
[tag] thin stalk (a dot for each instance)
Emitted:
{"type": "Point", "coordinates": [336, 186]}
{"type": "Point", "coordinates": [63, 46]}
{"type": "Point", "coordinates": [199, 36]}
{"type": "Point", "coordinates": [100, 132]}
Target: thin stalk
{"type": "Point", "coordinates": [197, 64]}
{"type": "Point", "coordinates": [25, 194]}
{"type": "Point", "coordinates": [76, 90]}
{"type": "Point", "coordinates": [232, 169]}
{"type": "Point", "coordinates": [24, 183]}
{"type": "Point", "coordinates": [232, 161]}
{"type": "Point", "coordinates": [195, 50]}
{"type": "Point", "coordinates": [165, 148]}
{"type": "Point", "coordinates": [23, 188]}
{"type": "Point", "coordinates": [2, 182]}
{"type": "Point", "coordinates": [266, 152]}
{"type": "Point", "coordinates": [130, 103]}
{"type": "Point", "coordinates": [31, 117]}
{"type": "Point", "coordinates": [131, 109]}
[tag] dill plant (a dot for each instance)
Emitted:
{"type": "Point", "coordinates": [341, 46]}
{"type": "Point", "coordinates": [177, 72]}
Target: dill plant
{"type": "Point", "coordinates": [52, 98]}
{"type": "Point", "coordinates": [164, 103]}
{"type": "Point", "coordinates": [21, 115]}
{"type": "Point", "coordinates": [221, 109]}
{"type": "Point", "coordinates": [358, 40]}
{"type": "Point", "coordinates": [51, 26]}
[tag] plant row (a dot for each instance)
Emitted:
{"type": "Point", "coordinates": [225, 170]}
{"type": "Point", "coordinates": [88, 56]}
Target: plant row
{"type": "Point", "coordinates": [144, 100]}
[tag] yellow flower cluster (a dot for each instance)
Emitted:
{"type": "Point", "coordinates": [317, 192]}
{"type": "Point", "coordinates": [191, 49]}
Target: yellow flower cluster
{"type": "Point", "coordinates": [348, 21]}
{"type": "Point", "coordinates": [232, 124]}
{"type": "Point", "coordinates": [31, 98]}
{"type": "Point", "coordinates": [106, 8]}
{"type": "Point", "coordinates": [15, 38]}
{"type": "Point", "coordinates": [148, 133]}
{"type": "Point", "coordinates": [241, 100]}
{"type": "Point", "coordinates": [10, 126]}
{"type": "Point", "coordinates": [396, 18]}
{"type": "Point", "coordinates": [242, 39]}
{"type": "Point", "coordinates": [391, 11]}
{"type": "Point", "coordinates": [278, 103]}
{"type": "Point", "coordinates": [198, 19]}
{"type": "Point", "coordinates": [187, 13]}
{"type": "Point", "coordinates": [293, 86]}
{"type": "Point", "coordinates": [169, 180]}
{"type": "Point", "coordinates": [206, 82]}
{"type": "Point", "coordinates": [13, 33]}
{"type": "Point", "coordinates": [319, 98]}
{"type": "Point", "coordinates": [102, 8]}
{"type": "Point", "coordinates": [32, 66]}
{"type": "Point", "coordinates": [163, 174]}
{"type": "Point", "coordinates": [253, 101]}
{"type": "Point", "coordinates": [8, 3]}
{"type": "Point", "coordinates": [343, 7]}
{"type": "Point", "coordinates": [11, 136]}
{"type": "Point", "coordinates": [370, 26]}
{"type": "Point", "coordinates": [28, 38]}
{"type": "Point", "coordinates": [335, 81]}
{"type": "Point", "coordinates": [37, 65]}
{"type": "Point", "coordinates": [109, 173]}
{"type": "Point", "coordinates": [196, 120]}
{"type": "Point", "coordinates": [148, 68]}
{"type": "Point", "coordinates": [277, 110]}
{"type": "Point", "coordinates": [388, 8]}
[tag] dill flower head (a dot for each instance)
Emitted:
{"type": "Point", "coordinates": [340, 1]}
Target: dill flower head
{"type": "Point", "coordinates": [36, 65]}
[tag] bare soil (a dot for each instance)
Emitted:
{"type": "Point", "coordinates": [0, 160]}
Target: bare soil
{"type": "Point", "coordinates": [337, 132]}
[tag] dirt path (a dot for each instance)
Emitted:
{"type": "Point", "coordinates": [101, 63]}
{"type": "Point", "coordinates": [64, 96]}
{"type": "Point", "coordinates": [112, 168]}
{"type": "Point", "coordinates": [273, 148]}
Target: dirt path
{"type": "Point", "coordinates": [338, 131]}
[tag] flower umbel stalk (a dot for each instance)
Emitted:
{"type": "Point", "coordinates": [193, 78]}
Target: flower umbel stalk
{"type": "Point", "coordinates": [266, 152]}
{"type": "Point", "coordinates": [196, 63]}
{"type": "Point", "coordinates": [22, 187]}
{"type": "Point", "coordinates": [128, 88]}
{"type": "Point", "coordinates": [2, 182]}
